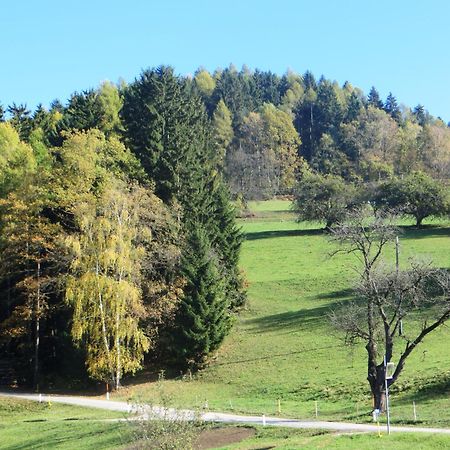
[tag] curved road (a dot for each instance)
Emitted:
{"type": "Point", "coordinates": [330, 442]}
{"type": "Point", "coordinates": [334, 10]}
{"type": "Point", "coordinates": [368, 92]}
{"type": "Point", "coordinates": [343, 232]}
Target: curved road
{"type": "Point", "coordinates": [156, 412]}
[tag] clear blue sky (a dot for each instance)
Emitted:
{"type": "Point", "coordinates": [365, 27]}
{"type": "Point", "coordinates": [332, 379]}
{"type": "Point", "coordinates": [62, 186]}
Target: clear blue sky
{"type": "Point", "coordinates": [51, 48]}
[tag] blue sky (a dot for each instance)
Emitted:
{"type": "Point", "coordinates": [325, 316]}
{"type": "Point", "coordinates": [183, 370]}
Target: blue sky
{"type": "Point", "coordinates": [51, 48]}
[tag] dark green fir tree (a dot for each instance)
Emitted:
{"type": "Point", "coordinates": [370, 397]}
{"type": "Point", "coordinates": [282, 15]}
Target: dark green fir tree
{"type": "Point", "coordinates": [374, 99]}
{"type": "Point", "coordinates": [392, 108]}
{"type": "Point", "coordinates": [203, 319]}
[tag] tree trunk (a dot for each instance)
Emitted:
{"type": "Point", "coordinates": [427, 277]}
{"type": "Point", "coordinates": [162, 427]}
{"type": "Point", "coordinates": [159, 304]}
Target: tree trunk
{"type": "Point", "coordinates": [379, 396]}
{"type": "Point", "coordinates": [37, 330]}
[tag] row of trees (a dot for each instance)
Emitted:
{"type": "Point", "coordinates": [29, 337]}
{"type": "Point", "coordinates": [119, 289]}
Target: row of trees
{"type": "Point", "coordinates": [329, 198]}
{"type": "Point", "coordinates": [269, 127]}
{"type": "Point", "coordinates": [129, 234]}
{"type": "Point", "coordinates": [265, 128]}
{"type": "Point", "coordinates": [117, 233]}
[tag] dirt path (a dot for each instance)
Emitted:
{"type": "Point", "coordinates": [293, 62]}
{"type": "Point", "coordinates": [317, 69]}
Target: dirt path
{"type": "Point", "coordinates": [216, 416]}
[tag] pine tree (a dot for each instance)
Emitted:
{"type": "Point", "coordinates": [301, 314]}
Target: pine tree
{"type": "Point", "coordinates": [239, 92]}
{"type": "Point", "coordinates": [309, 81]}
{"type": "Point", "coordinates": [166, 129]}
{"type": "Point", "coordinates": [203, 319]}
{"type": "Point", "coordinates": [227, 239]}
{"type": "Point", "coordinates": [354, 107]}
{"type": "Point", "coordinates": [328, 111]}
{"type": "Point", "coordinates": [20, 120]}
{"type": "Point", "coordinates": [166, 126]}
{"type": "Point", "coordinates": [420, 115]}
{"type": "Point", "coordinates": [392, 108]}
{"type": "Point", "coordinates": [83, 111]}
{"type": "Point", "coordinates": [374, 98]}
{"type": "Point", "coordinates": [2, 113]}
{"type": "Point", "coordinates": [304, 123]}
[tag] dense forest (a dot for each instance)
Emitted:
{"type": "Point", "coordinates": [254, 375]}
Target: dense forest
{"type": "Point", "coordinates": [118, 237]}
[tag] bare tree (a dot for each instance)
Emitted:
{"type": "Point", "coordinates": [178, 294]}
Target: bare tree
{"type": "Point", "coordinates": [385, 297]}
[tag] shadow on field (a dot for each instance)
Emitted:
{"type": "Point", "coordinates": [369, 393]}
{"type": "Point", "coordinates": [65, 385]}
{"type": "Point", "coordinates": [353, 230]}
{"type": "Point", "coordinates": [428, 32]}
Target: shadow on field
{"type": "Point", "coordinates": [282, 233]}
{"type": "Point", "coordinates": [340, 294]}
{"type": "Point", "coordinates": [302, 319]}
{"type": "Point", "coordinates": [278, 355]}
{"type": "Point", "coordinates": [426, 231]}
{"type": "Point", "coordinates": [437, 387]}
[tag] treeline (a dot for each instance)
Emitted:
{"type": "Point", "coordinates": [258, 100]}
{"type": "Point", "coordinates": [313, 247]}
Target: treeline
{"type": "Point", "coordinates": [118, 239]}
{"type": "Point", "coordinates": [271, 129]}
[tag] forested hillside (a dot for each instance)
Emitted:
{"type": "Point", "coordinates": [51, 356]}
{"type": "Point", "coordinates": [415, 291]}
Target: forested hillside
{"type": "Point", "coordinates": [118, 240]}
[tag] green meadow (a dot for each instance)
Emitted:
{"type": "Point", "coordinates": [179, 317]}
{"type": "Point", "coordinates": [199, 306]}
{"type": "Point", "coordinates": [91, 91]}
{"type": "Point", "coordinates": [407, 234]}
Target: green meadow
{"type": "Point", "coordinates": [31, 425]}
{"type": "Point", "coordinates": [283, 357]}
{"type": "Point", "coordinates": [25, 425]}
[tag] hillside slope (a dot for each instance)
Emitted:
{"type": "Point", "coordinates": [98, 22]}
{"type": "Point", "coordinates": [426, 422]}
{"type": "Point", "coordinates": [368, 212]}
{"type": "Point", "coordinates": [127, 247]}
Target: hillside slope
{"type": "Point", "coordinates": [282, 346]}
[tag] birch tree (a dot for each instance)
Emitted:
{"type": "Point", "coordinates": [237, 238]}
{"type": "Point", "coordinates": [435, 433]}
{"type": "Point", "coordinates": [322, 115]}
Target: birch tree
{"type": "Point", "coordinates": [103, 286]}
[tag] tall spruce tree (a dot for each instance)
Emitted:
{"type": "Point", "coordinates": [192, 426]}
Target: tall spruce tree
{"type": "Point", "coordinates": [374, 98]}
{"type": "Point", "coordinates": [392, 108]}
{"type": "Point", "coordinates": [353, 108]}
{"type": "Point", "coordinates": [20, 119]}
{"type": "Point", "coordinates": [166, 126]}
{"type": "Point", "coordinates": [203, 319]}
{"type": "Point", "coordinates": [420, 115]}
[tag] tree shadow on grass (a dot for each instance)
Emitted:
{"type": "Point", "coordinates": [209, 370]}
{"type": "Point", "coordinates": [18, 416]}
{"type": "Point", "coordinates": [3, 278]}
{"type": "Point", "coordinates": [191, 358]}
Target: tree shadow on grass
{"type": "Point", "coordinates": [436, 388]}
{"type": "Point", "coordinates": [426, 231]}
{"type": "Point", "coordinates": [282, 233]}
{"type": "Point", "coordinates": [340, 294]}
{"type": "Point", "coordinates": [307, 318]}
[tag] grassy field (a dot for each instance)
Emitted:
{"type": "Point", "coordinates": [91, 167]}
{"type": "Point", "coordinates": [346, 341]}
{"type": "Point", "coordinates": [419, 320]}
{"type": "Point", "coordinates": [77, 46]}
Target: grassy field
{"type": "Point", "coordinates": [281, 439]}
{"type": "Point", "coordinates": [25, 425]}
{"type": "Point", "coordinates": [282, 346]}
{"type": "Point", "coordinates": [281, 351]}
{"type": "Point", "coordinates": [30, 425]}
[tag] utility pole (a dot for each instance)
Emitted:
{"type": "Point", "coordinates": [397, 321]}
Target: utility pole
{"type": "Point", "coordinates": [388, 367]}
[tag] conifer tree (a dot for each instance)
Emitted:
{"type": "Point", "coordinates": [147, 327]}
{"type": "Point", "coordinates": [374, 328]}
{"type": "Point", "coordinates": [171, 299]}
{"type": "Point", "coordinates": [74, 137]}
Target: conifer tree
{"type": "Point", "coordinates": [374, 98]}
{"type": "Point", "coordinates": [203, 319]}
{"type": "Point", "coordinates": [309, 81]}
{"type": "Point", "coordinates": [227, 239]}
{"type": "Point", "coordinates": [20, 120]}
{"type": "Point", "coordinates": [166, 126]}
{"type": "Point", "coordinates": [420, 115]}
{"type": "Point", "coordinates": [353, 107]}
{"type": "Point", "coordinates": [392, 108]}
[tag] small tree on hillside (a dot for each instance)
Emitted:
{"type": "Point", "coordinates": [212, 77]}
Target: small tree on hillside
{"type": "Point", "coordinates": [326, 198]}
{"type": "Point", "coordinates": [385, 299]}
{"type": "Point", "coordinates": [417, 195]}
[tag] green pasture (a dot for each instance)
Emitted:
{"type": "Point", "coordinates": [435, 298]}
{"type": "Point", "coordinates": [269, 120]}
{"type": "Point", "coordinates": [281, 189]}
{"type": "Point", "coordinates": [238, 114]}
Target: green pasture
{"type": "Point", "coordinates": [285, 439]}
{"type": "Point", "coordinates": [282, 347]}
{"type": "Point", "coordinates": [32, 425]}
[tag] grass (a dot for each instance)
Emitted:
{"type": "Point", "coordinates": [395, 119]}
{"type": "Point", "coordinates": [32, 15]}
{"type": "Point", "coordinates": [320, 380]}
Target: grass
{"type": "Point", "coordinates": [281, 349]}
{"type": "Point", "coordinates": [31, 425]}
{"type": "Point", "coordinates": [285, 439]}
{"type": "Point", "coordinates": [282, 346]}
